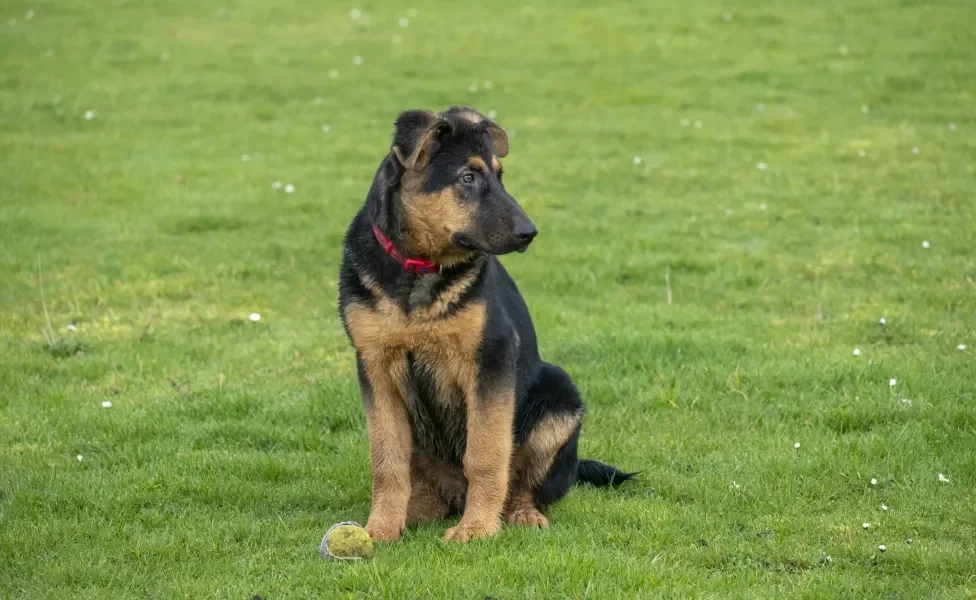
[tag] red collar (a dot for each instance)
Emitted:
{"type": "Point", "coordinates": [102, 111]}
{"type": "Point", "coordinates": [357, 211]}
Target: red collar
{"type": "Point", "coordinates": [417, 266]}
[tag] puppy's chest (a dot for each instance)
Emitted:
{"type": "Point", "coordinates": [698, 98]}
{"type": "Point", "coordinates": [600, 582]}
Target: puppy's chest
{"type": "Point", "coordinates": [444, 342]}
{"type": "Point", "coordinates": [430, 355]}
{"type": "Point", "coordinates": [437, 408]}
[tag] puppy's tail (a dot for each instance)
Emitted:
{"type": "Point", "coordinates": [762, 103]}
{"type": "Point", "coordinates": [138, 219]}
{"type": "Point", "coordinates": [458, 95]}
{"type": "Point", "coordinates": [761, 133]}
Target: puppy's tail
{"type": "Point", "coordinates": [601, 475]}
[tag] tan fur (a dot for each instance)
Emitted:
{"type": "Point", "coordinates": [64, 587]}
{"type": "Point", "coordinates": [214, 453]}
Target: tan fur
{"type": "Point", "coordinates": [438, 307]}
{"type": "Point", "coordinates": [520, 510]}
{"type": "Point", "coordinates": [431, 219]}
{"type": "Point", "coordinates": [486, 465]}
{"type": "Point", "coordinates": [446, 480]}
{"type": "Point", "coordinates": [496, 164]}
{"type": "Point", "coordinates": [385, 335]}
{"type": "Point", "coordinates": [389, 450]}
{"type": "Point", "coordinates": [478, 164]}
{"type": "Point", "coordinates": [426, 503]}
{"type": "Point", "coordinates": [534, 458]}
{"type": "Point", "coordinates": [451, 295]}
{"type": "Point", "coordinates": [532, 461]}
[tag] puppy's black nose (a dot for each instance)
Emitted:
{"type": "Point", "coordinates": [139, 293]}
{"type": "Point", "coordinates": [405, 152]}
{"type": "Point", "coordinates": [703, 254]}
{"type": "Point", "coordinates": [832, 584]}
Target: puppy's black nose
{"type": "Point", "coordinates": [525, 231]}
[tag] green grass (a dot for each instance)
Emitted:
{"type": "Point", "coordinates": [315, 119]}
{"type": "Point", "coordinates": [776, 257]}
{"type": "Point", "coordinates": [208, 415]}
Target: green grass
{"type": "Point", "coordinates": [231, 446]}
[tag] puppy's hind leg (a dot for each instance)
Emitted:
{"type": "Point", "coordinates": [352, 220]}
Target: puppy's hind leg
{"type": "Point", "coordinates": [544, 465]}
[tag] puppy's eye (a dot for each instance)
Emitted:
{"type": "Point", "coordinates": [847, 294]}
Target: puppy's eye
{"type": "Point", "coordinates": [467, 178]}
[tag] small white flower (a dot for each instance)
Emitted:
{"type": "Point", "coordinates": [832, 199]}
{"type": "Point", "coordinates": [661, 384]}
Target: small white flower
{"type": "Point", "coordinates": [952, 126]}
{"type": "Point", "coordinates": [492, 114]}
{"type": "Point", "coordinates": [883, 321]}
{"type": "Point", "coordinates": [89, 115]}
{"type": "Point", "coordinates": [862, 153]}
{"type": "Point", "coordinates": [255, 317]}
{"type": "Point", "coordinates": [874, 481]}
{"type": "Point", "coordinates": [245, 157]}
{"type": "Point", "coordinates": [106, 404]}
{"type": "Point", "coordinates": [489, 84]}
{"type": "Point", "coordinates": [961, 347]}
{"type": "Point", "coordinates": [828, 560]}
{"type": "Point", "coordinates": [796, 446]}
{"type": "Point", "coordinates": [884, 507]}
{"type": "Point", "coordinates": [925, 244]}
{"type": "Point", "coordinates": [908, 541]}
{"type": "Point", "coordinates": [357, 60]}
{"type": "Point", "coordinates": [684, 122]}
{"type": "Point", "coordinates": [857, 352]}
{"type": "Point", "coordinates": [735, 485]}
{"type": "Point", "coordinates": [637, 160]}
{"type": "Point", "coordinates": [473, 88]}
{"type": "Point", "coordinates": [943, 478]}
{"type": "Point", "coordinates": [762, 207]}
{"type": "Point", "coordinates": [866, 525]}
{"type": "Point", "coordinates": [915, 150]}
{"type": "Point", "coordinates": [289, 189]}
{"type": "Point", "coordinates": [355, 14]}
{"type": "Point", "coordinates": [80, 458]}
{"type": "Point", "coordinates": [29, 15]}
{"type": "Point", "coordinates": [892, 382]}
{"type": "Point", "coordinates": [404, 22]}
{"type": "Point", "coordinates": [761, 166]}
{"type": "Point", "coordinates": [698, 124]}
{"type": "Point", "coordinates": [71, 327]}
{"type": "Point", "coordinates": [864, 108]}
{"type": "Point", "coordinates": [842, 50]}
{"type": "Point", "coordinates": [164, 57]}
{"type": "Point", "coordinates": [906, 401]}
{"type": "Point", "coordinates": [326, 128]}
{"type": "Point", "coordinates": [276, 185]}
{"type": "Point", "coordinates": [882, 547]}
{"type": "Point", "coordinates": [726, 16]}
{"type": "Point", "coordinates": [333, 73]}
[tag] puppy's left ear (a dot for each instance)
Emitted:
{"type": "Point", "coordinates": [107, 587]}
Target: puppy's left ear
{"type": "Point", "coordinates": [499, 140]}
{"type": "Point", "coordinates": [415, 137]}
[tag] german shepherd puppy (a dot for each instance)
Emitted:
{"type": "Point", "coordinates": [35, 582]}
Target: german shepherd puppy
{"type": "Point", "coordinates": [463, 416]}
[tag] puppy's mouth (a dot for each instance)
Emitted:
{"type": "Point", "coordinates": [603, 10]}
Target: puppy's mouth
{"type": "Point", "coordinates": [467, 243]}
{"type": "Point", "coordinates": [462, 241]}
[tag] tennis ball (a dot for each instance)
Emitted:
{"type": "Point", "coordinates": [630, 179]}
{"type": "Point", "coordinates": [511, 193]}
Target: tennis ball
{"type": "Point", "coordinates": [346, 541]}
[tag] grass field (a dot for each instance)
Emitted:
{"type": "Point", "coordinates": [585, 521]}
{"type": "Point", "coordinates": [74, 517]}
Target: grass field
{"type": "Point", "coordinates": [783, 161]}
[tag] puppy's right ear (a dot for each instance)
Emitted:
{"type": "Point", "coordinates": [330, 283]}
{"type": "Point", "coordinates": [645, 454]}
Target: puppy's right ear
{"type": "Point", "coordinates": [415, 137]}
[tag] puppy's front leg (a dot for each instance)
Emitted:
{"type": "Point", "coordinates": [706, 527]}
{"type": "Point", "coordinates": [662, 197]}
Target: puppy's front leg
{"type": "Point", "coordinates": [486, 464]}
{"type": "Point", "coordinates": [390, 448]}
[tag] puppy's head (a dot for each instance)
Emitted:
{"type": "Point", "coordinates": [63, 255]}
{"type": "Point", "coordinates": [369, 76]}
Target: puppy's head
{"type": "Point", "coordinates": [451, 187]}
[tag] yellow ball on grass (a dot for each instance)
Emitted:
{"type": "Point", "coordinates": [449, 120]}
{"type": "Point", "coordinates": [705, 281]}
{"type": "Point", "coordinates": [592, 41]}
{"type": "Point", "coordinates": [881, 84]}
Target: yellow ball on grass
{"type": "Point", "coordinates": [346, 541]}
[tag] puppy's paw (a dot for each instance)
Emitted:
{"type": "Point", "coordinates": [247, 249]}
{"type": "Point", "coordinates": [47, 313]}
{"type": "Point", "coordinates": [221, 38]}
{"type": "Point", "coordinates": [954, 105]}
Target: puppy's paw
{"type": "Point", "coordinates": [465, 532]}
{"type": "Point", "coordinates": [527, 517]}
{"type": "Point", "coordinates": [383, 531]}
